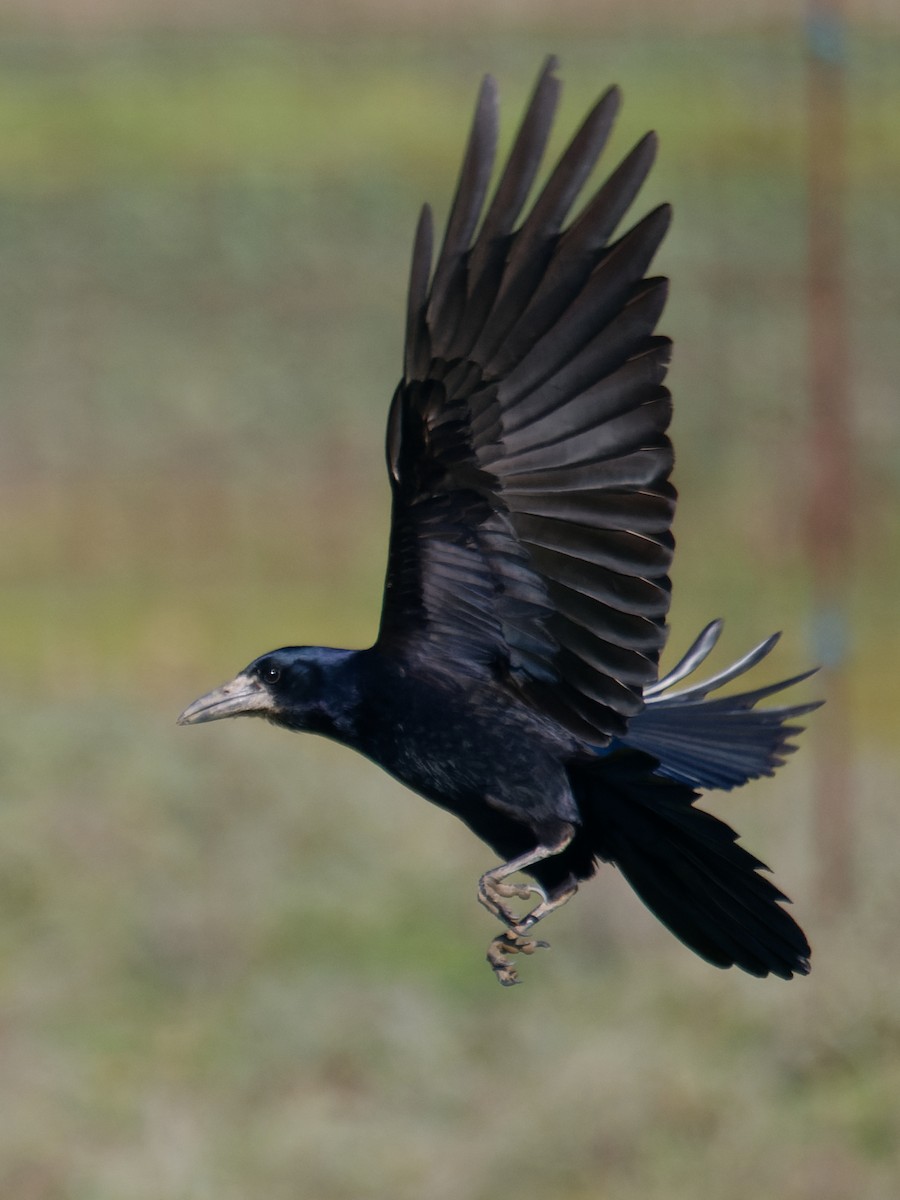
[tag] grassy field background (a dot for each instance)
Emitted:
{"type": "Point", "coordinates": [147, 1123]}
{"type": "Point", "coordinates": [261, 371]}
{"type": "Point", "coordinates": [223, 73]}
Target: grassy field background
{"type": "Point", "coordinates": [236, 963]}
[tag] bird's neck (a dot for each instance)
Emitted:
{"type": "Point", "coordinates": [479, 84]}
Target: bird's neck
{"type": "Point", "coordinates": [332, 710]}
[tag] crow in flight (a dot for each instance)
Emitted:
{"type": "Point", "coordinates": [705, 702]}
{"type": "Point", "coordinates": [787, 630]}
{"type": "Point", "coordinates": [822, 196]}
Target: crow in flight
{"type": "Point", "coordinates": [515, 680]}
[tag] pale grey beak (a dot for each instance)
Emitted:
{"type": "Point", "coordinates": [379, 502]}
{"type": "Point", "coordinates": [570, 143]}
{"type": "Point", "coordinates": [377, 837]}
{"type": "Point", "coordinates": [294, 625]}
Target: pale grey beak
{"type": "Point", "coordinates": [243, 695]}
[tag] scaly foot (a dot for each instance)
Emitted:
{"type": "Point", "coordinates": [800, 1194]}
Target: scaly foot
{"type": "Point", "coordinates": [510, 943]}
{"type": "Point", "coordinates": [493, 891]}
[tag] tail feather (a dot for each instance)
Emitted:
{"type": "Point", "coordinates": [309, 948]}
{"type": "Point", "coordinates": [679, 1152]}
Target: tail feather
{"type": "Point", "coordinates": [687, 867]}
{"type": "Point", "coordinates": [719, 743]}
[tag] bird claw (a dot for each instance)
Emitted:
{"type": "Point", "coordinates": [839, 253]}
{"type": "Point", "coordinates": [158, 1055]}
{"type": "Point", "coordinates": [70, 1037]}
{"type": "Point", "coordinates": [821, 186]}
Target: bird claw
{"type": "Point", "coordinates": [510, 943]}
{"type": "Point", "coordinates": [518, 891]}
{"type": "Point", "coordinates": [492, 892]}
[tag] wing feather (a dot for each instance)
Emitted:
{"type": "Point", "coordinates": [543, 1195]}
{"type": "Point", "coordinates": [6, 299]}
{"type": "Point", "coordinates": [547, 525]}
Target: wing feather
{"type": "Point", "coordinates": [535, 242]}
{"type": "Point", "coordinates": [488, 254]}
{"type": "Point", "coordinates": [418, 351]}
{"type": "Point", "coordinates": [448, 289]}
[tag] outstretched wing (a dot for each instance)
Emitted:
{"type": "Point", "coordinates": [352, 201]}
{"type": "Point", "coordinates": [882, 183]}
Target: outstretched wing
{"type": "Point", "coordinates": [527, 445]}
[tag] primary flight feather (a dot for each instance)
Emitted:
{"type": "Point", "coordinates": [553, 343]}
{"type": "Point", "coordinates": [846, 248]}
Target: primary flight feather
{"type": "Point", "coordinates": [515, 677]}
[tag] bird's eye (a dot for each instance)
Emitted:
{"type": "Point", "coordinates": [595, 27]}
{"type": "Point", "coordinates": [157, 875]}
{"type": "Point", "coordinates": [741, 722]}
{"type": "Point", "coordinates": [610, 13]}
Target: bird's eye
{"type": "Point", "coordinates": [270, 674]}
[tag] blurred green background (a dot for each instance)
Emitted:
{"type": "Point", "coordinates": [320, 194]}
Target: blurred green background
{"type": "Point", "coordinates": [236, 963]}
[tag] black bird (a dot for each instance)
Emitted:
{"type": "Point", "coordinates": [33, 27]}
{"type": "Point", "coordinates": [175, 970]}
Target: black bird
{"type": "Point", "coordinates": [514, 680]}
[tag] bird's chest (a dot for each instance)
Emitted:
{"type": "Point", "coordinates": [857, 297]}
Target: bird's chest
{"type": "Point", "coordinates": [445, 759]}
{"type": "Point", "coordinates": [457, 749]}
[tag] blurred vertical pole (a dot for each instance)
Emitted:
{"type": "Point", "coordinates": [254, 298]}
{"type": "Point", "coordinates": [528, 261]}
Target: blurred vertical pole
{"type": "Point", "coordinates": [831, 488]}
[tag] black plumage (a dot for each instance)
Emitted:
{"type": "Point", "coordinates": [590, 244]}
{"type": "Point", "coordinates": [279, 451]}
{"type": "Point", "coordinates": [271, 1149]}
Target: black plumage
{"type": "Point", "coordinates": [514, 680]}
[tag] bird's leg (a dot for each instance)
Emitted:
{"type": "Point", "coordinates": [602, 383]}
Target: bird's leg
{"type": "Point", "coordinates": [516, 940]}
{"type": "Point", "coordinates": [493, 890]}
{"type": "Point", "coordinates": [547, 906]}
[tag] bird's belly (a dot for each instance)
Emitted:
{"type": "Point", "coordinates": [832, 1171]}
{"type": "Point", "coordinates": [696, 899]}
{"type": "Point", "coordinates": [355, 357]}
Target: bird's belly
{"type": "Point", "coordinates": [458, 761]}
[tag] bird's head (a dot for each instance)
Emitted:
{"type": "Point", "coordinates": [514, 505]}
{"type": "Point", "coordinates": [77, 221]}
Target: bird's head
{"type": "Point", "coordinates": [291, 686]}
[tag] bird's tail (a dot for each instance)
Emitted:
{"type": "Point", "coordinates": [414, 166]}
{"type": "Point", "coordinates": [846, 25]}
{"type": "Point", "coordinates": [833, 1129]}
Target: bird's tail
{"type": "Point", "coordinates": [687, 867]}
{"type": "Point", "coordinates": [719, 743]}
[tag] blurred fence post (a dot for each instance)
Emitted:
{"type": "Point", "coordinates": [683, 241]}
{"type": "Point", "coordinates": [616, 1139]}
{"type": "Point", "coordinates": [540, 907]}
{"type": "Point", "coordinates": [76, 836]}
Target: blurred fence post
{"type": "Point", "coordinates": [832, 468]}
